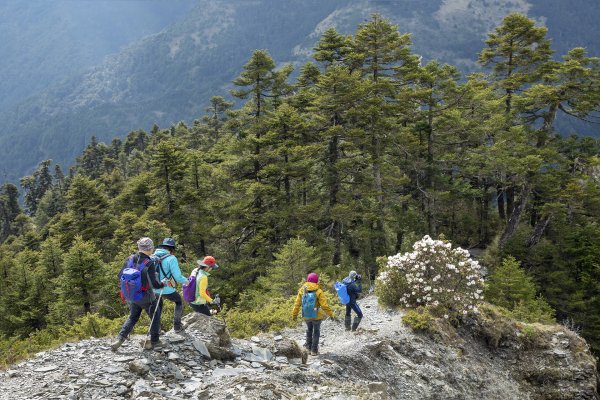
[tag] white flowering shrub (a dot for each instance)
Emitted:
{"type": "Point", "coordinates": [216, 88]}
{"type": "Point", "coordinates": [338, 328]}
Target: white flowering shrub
{"type": "Point", "coordinates": [434, 275]}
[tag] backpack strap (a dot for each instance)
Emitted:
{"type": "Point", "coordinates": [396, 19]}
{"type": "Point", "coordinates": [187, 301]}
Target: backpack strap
{"type": "Point", "coordinates": [160, 260]}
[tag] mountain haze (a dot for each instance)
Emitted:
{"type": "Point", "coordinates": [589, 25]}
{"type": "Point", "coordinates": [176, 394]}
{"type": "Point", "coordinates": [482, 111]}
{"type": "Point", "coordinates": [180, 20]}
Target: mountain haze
{"type": "Point", "coordinates": [169, 74]}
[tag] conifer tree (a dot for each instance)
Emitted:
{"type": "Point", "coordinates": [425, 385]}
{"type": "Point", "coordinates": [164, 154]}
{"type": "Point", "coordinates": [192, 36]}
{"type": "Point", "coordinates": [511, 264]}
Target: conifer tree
{"type": "Point", "coordinates": [87, 213]}
{"type": "Point", "coordinates": [9, 209]}
{"type": "Point", "coordinates": [168, 161]}
{"type": "Point", "coordinates": [79, 285]}
{"type": "Point", "coordinates": [378, 51]}
{"type": "Point", "coordinates": [333, 48]}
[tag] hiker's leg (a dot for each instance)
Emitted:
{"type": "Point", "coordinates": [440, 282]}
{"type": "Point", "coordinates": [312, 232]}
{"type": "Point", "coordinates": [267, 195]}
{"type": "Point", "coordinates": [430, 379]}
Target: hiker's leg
{"type": "Point", "coordinates": [357, 310]}
{"type": "Point", "coordinates": [309, 334]}
{"type": "Point", "coordinates": [201, 308]}
{"type": "Point", "coordinates": [155, 326]}
{"type": "Point", "coordinates": [175, 298]}
{"type": "Point", "coordinates": [315, 336]}
{"type": "Point", "coordinates": [134, 315]}
{"type": "Point", "coordinates": [358, 317]}
{"type": "Point", "coordinates": [348, 318]}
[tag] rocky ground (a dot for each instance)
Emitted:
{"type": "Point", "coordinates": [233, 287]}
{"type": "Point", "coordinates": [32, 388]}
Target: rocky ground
{"type": "Point", "coordinates": [384, 360]}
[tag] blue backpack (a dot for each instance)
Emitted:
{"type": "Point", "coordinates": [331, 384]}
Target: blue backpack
{"type": "Point", "coordinates": [309, 304]}
{"type": "Point", "coordinates": [131, 281]}
{"type": "Point", "coordinates": [342, 291]}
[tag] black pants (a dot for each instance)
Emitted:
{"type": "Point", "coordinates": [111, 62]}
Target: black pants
{"type": "Point", "coordinates": [201, 308]}
{"type": "Point", "coordinates": [175, 298]}
{"type": "Point", "coordinates": [135, 310]}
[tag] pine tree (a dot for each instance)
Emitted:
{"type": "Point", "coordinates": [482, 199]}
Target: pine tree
{"type": "Point", "coordinates": [378, 52]}
{"type": "Point", "coordinates": [333, 48]}
{"type": "Point", "coordinates": [519, 55]}
{"type": "Point", "coordinates": [87, 213]}
{"type": "Point", "coordinates": [78, 289]}
{"type": "Point", "coordinates": [9, 209]}
{"type": "Point", "coordinates": [168, 161]}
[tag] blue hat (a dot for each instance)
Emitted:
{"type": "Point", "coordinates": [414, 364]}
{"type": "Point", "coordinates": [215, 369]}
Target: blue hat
{"type": "Point", "coordinates": [168, 242]}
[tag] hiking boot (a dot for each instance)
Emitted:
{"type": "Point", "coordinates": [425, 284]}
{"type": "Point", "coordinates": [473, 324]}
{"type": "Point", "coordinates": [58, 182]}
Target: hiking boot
{"type": "Point", "coordinates": [314, 353]}
{"type": "Point", "coordinates": [355, 323]}
{"type": "Point", "coordinates": [149, 345]}
{"type": "Point", "coordinates": [177, 328]}
{"type": "Point", "coordinates": [348, 322]}
{"type": "Point", "coordinates": [115, 345]}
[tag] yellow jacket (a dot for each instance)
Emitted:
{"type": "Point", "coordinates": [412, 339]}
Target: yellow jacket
{"type": "Point", "coordinates": [202, 296]}
{"type": "Point", "coordinates": [321, 301]}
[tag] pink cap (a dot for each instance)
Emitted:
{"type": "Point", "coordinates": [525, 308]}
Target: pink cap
{"type": "Point", "coordinates": [312, 277]}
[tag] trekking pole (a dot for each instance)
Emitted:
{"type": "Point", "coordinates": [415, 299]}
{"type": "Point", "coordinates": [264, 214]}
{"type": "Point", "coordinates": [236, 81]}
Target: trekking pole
{"type": "Point", "coordinates": [153, 315]}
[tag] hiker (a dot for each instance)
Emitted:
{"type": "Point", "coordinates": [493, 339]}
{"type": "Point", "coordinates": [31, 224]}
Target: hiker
{"type": "Point", "coordinates": [353, 284]}
{"type": "Point", "coordinates": [203, 298]}
{"type": "Point", "coordinates": [143, 299]}
{"type": "Point", "coordinates": [313, 302]}
{"type": "Point", "coordinates": [168, 268]}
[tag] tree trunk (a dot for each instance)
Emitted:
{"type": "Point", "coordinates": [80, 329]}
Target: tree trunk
{"type": "Point", "coordinates": [510, 201]}
{"type": "Point", "coordinates": [515, 217]}
{"type": "Point", "coordinates": [333, 193]}
{"type": "Point", "coordinates": [538, 231]}
{"type": "Point", "coordinates": [399, 240]}
{"type": "Point", "coordinates": [484, 216]}
{"type": "Point", "coordinates": [501, 206]}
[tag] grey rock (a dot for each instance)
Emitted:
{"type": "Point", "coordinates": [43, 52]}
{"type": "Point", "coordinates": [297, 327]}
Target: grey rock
{"type": "Point", "coordinates": [201, 348]}
{"type": "Point", "coordinates": [223, 372]}
{"type": "Point", "coordinates": [139, 367]}
{"type": "Point", "coordinates": [175, 339]}
{"type": "Point", "coordinates": [48, 368]}
{"type": "Point", "coordinates": [264, 354]}
{"type": "Point", "coordinates": [255, 339]}
{"type": "Point", "coordinates": [124, 359]}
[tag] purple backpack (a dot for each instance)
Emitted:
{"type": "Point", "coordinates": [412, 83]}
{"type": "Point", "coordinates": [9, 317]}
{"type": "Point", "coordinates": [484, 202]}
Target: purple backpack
{"type": "Point", "coordinates": [189, 288]}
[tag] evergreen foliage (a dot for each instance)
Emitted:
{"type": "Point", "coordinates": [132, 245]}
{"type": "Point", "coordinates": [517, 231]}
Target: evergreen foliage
{"type": "Point", "coordinates": [365, 153]}
{"type": "Point", "coordinates": [510, 287]}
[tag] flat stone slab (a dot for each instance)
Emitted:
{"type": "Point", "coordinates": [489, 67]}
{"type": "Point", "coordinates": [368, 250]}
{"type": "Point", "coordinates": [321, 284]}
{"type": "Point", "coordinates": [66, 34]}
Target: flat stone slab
{"type": "Point", "coordinates": [220, 372]}
{"type": "Point", "coordinates": [46, 369]}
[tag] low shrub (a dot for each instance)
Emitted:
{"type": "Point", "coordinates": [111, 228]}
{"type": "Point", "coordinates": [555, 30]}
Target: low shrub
{"type": "Point", "coordinates": [419, 319]}
{"type": "Point", "coordinates": [433, 275]}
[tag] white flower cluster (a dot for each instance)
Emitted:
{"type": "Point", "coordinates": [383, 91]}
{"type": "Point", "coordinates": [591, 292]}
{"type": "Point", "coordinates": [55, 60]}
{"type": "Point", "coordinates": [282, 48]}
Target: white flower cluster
{"type": "Point", "coordinates": [435, 274]}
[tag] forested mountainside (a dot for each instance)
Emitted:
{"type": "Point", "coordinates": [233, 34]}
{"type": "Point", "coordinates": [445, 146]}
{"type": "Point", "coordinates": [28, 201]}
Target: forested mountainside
{"type": "Point", "coordinates": [168, 75]}
{"type": "Point", "coordinates": [354, 159]}
{"type": "Point", "coordinates": [45, 42]}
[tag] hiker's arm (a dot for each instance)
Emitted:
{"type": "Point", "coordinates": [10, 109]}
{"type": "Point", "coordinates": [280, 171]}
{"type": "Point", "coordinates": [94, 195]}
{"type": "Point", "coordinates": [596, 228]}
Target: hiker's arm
{"type": "Point", "coordinates": [203, 284]}
{"type": "Point", "coordinates": [297, 304]}
{"type": "Point", "coordinates": [176, 271]}
{"type": "Point", "coordinates": [359, 286]}
{"type": "Point", "coordinates": [154, 282]}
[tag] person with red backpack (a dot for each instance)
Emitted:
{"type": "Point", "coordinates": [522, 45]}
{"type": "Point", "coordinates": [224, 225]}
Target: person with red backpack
{"type": "Point", "coordinates": [168, 268]}
{"type": "Point", "coordinates": [202, 296]}
{"type": "Point", "coordinates": [313, 302]}
{"type": "Point", "coordinates": [138, 276]}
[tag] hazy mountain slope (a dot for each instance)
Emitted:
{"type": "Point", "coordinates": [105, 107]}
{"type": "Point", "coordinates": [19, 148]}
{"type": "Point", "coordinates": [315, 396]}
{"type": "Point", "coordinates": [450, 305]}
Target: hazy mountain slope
{"type": "Point", "coordinates": [169, 75]}
{"type": "Point", "coordinates": [46, 41]}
